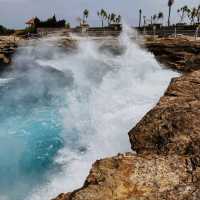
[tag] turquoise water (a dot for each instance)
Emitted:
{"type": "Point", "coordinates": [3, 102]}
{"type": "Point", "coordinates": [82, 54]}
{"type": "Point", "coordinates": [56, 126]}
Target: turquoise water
{"type": "Point", "coordinates": [30, 125]}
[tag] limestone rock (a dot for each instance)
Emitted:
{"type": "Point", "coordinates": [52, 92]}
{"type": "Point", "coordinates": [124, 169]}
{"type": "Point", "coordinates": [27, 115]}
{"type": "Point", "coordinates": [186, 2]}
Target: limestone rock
{"type": "Point", "coordinates": [63, 196]}
{"type": "Point", "coordinates": [180, 53]}
{"type": "Point", "coordinates": [173, 125]}
{"type": "Point", "coordinates": [148, 177]}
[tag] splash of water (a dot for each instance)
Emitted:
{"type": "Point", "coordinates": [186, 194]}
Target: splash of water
{"type": "Point", "coordinates": [73, 109]}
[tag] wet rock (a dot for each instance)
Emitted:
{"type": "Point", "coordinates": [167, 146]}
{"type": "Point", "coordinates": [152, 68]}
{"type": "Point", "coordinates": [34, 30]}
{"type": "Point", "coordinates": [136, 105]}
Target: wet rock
{"type": "Point", "coordinates": [146, 177]}
{"type": "Point", "coordinates": [173, 125]}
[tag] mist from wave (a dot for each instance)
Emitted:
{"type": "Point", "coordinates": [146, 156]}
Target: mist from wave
{"type": "Point", "coordinates": [62, 111]}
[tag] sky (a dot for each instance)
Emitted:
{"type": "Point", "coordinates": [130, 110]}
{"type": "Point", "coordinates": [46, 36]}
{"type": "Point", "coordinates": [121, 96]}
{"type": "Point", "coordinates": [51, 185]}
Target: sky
{"type": "Point", "coordinates": [14, 13]}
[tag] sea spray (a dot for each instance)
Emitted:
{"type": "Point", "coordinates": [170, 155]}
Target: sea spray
{"type": "Point", "coordinates": [110, 95]}
{"type": "Point", "coordinates": [62, 111]}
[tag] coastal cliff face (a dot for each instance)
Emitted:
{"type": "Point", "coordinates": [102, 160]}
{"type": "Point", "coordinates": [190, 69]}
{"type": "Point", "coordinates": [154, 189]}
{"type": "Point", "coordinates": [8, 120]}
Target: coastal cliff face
{"type": "Point", "coordinates": [173, 125]}
{"type": "Point", "coordinates": [166, 165]}
{"type": "Point", "coordinates": [145, 177]}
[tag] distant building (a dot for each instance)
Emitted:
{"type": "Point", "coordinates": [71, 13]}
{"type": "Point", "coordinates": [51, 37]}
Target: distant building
{"type": "Point", "coordinates": [33, 22]}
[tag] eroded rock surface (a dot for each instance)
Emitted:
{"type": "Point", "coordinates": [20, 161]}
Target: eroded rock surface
{"type": "Point", "coordinates": [180, 54]}
{"type": "Point", "coordinates": [132, 177]}
{"type": "Point", "coordinates": [173, 126]}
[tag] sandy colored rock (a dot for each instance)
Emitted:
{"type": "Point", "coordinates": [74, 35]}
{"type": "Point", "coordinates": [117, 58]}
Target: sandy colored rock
{"type": "Point", "coordinates": [8, 45]}
{"type": "Point", "coordinates": [173, 125]}
{"type": "Point", "coordinates": [63, 196]}
{"type": "Point", "coordinates": [148, 177]}
{"type": "Point", "coordinates": [181, 54]}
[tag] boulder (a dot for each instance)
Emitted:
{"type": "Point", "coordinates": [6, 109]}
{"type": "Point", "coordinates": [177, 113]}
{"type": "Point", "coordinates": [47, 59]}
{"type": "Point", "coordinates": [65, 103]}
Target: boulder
{"type": "Point", "coordinates": [145, 177]}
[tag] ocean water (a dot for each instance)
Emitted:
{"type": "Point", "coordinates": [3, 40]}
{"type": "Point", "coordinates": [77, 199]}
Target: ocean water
{"type": "Point", "coordinates": [60, 111]}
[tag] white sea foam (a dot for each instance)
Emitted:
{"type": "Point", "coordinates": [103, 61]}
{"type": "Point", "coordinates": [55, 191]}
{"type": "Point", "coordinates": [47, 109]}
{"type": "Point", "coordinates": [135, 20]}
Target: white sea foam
{"type": "Point", "coordinates": [4, 81]}
{"type": "Point", "coordinates": [110, 94]}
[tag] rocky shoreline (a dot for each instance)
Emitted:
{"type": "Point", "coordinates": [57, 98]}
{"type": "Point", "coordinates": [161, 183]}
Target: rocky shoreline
{"type": "Point", "coordinates": [166, 164]}
{"type": "Point", "coordinates": [8, 46]}
{"type": "Point", "coordinates": [182, 54]}
{"type": "Point", "coordinates": [166, 141]}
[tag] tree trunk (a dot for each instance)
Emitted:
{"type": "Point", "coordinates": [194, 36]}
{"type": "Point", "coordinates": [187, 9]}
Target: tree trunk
{"type": "Point", "coordinates": [83, 19]}
{"type": "Point", "coordinates": [140, 18]}
{"type": "Point", "coordinates": [169, 15]}
{"type": "Point", "coordinates": [102, 23]}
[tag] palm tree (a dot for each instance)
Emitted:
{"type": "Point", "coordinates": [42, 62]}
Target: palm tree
{"type": "Point", "coordinates": [170, 3]}
{"type": "Point", "coordinates": [160, 16]}
{"type": "Point", "coordinates": [154, 18]}
{"type": "Point", "coordinates": [183, 12]}
{"type": "Point", "coordinates": [144, 18]}
{"type": "Point", "coordinates": [113, 18]}
{"type": "Point", "coordinates": [103, 16]}
{"type": "Point", "coordinates": [151, 20]}
{"type": "Point", "coordinates": [108, 19]}
{"type": "Point", "coordinates": [198, 14]}
{"type": "Point", "coordinates": [85, 15]}
{"type": "Point", "coordinates": [193, 15]}
{"type": "Point", "coordinates": [140, 17]}
{"type": "Point", "coordinates": [118, 19]}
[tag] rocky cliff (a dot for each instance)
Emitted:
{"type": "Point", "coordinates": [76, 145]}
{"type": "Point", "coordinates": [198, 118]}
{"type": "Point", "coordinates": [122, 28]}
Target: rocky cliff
{"type": "Point", "coordinates": [173, 125]}
{"type": "Point", "coordinates": [166, 165]}
{"type": "Point", "coordinates": [140, 177]}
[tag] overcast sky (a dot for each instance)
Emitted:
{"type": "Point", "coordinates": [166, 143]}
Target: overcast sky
{"type": "Point", "coordinates": [14, 13]}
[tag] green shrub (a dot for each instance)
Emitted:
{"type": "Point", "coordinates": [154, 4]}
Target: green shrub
{"type": "Point", "coordinates": [5, 31]}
